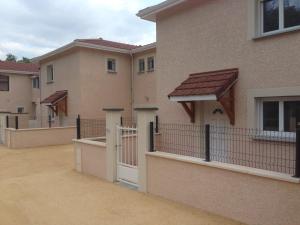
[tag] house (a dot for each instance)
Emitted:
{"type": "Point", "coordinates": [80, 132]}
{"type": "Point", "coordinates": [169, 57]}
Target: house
{"type": "Point", "coordinates": [228, 62]}
{"type": "Point", "coordinates": [87, 75]}
{"type": "Point", "coordinates": [19, 88]}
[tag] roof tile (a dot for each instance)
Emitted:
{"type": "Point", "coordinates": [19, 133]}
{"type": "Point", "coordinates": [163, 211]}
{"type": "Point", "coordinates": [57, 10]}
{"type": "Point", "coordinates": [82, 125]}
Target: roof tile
{"type": "Point", "coordinates": [15, 66]}
{"type": "Point", "coordinates": [52, 99]}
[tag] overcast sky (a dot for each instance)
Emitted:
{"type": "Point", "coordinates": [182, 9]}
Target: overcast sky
{"type": "Point", "coordinates": [33, 27]}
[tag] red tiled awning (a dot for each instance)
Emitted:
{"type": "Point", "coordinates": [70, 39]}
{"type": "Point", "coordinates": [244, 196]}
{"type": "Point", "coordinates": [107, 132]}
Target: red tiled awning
{"type": "Point", "coordinates": [214, 83]}
{"type": "Point", "coordinates": [55, 98]}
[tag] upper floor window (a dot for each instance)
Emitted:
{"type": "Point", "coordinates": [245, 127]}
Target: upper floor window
{"type": "Point", "coordinates": [141, 65]}
{"type": "Point", "coordinates": [279, 15]}
{"type": "Point", "coordinates": [280, 115]}
{"type": "Point", "coordinates": [50, 74]}
{"type": "Point", "coordinates": [36, 82]}
{"type": "Point", "coordinates": [150, 62]}
{"type": "Point", "coordinates": [4, 83]}
{"type": "Point", "coordinates": [20, 110]}
{"type": "Point", "coordinates": [111, 65]}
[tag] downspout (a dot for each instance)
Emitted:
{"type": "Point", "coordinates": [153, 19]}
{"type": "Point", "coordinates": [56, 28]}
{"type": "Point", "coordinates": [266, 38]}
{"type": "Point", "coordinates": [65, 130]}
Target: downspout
{"type": "Point", "coordinates": [132, 85]}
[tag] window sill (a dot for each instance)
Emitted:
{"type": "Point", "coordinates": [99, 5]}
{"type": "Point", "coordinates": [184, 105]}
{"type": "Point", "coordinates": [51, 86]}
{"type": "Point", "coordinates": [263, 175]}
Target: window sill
{"type": "Point", "coordinates": [275, 136]}
{"type": "Point", "coordinates": [50, 82]}
{"type": "Point", "coordinates": [277, 32]}
{"type": "Point", "coordinates": [150, 71]}
{"type": "Point", "coordinates": [112, 72]}
{"type": "Point", "coordinates": [140, 73]}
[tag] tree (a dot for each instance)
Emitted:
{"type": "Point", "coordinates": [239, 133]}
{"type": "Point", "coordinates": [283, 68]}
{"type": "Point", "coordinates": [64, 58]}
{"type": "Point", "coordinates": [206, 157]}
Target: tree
{"type": "Point", "coordinates": [24, 60]}
{"type": "Point", "coordinates": [11, 58]}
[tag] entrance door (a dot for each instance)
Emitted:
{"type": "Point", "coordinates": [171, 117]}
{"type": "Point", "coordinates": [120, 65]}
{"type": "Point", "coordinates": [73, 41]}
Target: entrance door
{"type": "Point", "coordinates": [127, 155]}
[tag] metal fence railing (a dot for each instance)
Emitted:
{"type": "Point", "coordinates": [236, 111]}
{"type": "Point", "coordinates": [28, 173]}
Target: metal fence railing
{"type": "Point", "coordinates": [273, 151]}
{"type": "Point", "coordinates": [90, 128]}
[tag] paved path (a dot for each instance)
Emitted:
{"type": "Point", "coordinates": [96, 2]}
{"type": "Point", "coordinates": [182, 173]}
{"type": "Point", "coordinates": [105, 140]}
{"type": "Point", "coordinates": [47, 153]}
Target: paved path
{"type": "Point", "coordinates": [39, 187]}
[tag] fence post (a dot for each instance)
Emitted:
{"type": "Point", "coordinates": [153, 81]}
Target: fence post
{"type": "Point", "coordinates": [7, 122]}
{"type": "Point", "coordinates": [151, 140]}
{"type": "Point", "coordinates": [49, 121]}
{"type": "Point", "coordinates": [207, 143]}
{"type": "Point", "coordinates": [17, 122]}
{"type": "Point", "coordinates": [78, 128]}
{"type": "Point", "coordinates": [297, 166]}
{"type": "Point", "coordinates": [156, 124]}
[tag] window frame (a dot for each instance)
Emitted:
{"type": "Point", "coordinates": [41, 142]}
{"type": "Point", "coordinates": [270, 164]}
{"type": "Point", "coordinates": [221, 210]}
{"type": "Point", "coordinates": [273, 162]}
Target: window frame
{"type": "Point", "coordinates": [8, 82]}
{"type": "Point", "coordinates": [36, 83]}
{"type": "Point", "coordinates": [281, 28]}
{"type": "Point", "coordinates": [49, 81]}
{"type": "Point", "coordinates": [281, 101]}
{"type": "Point", "coordinates": [22, 111]}
{"type": "Point", "coordinates": [139, 65]}
{"type": "Point", "coordinates": [148, 67]}
{"type": "Point", "coordinates": [114, 70]}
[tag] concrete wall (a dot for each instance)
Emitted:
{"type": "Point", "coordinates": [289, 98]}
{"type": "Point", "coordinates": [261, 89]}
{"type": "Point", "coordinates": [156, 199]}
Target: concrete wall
{"type": "Point", "coordinates": [268, 199]}
{"type": "Point", "coordinates": [29, 138]}
{"type": "Point", "coordinates": [212, 35]}
{"type": "Point", "coordinates": [144, 84]}
{"type": "Point", "coordinates": [90, 158]}
{"type": "Point", "coordinates": [19, 94]}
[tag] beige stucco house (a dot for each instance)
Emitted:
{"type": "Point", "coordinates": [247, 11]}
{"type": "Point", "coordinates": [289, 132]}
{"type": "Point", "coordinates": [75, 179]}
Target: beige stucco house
{"type": "Point", "coordinates": [88, 75]}
{"type": "Point", "coordinates": [19, 88]}
{"type": "Point", "coordinates": [258, 41]}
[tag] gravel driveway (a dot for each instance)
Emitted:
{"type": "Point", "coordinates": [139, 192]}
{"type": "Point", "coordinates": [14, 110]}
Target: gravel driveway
{"type": "Point", "coordinates": [39, 187]}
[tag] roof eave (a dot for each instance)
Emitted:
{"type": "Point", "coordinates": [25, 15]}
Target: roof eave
{"type": "Point", "coordinates": [144, 48]}
{"type": "Point", "coordinates": [19, 72]}
{"type": "Point", "coordinates": [151, 12]}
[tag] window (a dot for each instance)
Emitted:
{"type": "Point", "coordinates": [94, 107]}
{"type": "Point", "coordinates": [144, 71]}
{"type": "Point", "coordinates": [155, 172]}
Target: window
{"type": "Point", "coordinates": [50, 74]}
{"type": "Point", "coordinates": [4, 83]}
{"type": "Point", "coordinates": [36, 82]}
{"type": "Point", "coordinates": [111, 65]}
{"type": "Point", "coordinates": [20, 110]}
{"type": "Point", "coordinates": [141, 65]}
{"type": "Point", "coordinates": [150, 64]}
{"type": "Point", "coordinates": [280, 115]}
{"type": "Point", "coordinates": [279, 15]}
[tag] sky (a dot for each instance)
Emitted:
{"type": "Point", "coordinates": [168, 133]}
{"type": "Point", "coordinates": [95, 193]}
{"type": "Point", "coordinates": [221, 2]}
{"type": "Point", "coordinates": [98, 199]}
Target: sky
{"type": "Point", "coordinates": [31, 28]}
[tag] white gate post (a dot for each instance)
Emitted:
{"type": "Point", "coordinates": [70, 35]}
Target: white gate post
{"type": "Point", "coordinates": [144, 117]}
{"type": "Point", "coordinates": [113, 119]}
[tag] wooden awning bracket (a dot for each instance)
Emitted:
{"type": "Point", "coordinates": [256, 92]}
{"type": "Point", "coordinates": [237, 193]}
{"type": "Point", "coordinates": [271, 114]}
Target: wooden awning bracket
{"type": "Point", "coordinates": [60, 106]}
{"type": "Point", "coordinates": [189, 110]}
{"type": "Point", "coordinates": [227, 101]}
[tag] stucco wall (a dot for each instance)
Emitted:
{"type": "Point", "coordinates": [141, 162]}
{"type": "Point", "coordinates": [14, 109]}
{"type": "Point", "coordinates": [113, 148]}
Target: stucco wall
{"type": "Point", "coordinates": [19, 94]}
{"type": "Point", "coordinates": [247, 198]}
{"type": "Point", "coordinates": [66, 77]}
{"type": "Point", "coordinates": [213, 35]}
{"type": "Point", "coordinates": [27, 138]}
{"type": "Point", "coordinates": [144, 84]}
{"type": "Point", "coordinates": [101, 89]}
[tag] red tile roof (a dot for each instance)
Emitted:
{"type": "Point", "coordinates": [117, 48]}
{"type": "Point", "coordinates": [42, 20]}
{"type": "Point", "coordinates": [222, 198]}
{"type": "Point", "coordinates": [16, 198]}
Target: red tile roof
{"type": "Point", "coordinates": [208, 83]}
{"type": "Point", "coordinates": [106, 43]}
{"type": "Point", "coordinates": [14, 66]}
{"type": "Point", "coordinates": [54, 98]}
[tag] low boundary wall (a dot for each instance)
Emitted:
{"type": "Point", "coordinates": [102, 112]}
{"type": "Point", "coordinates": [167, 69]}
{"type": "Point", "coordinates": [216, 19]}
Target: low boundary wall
{"type": "Point", "coordinates": [37, 137]}
{"type": "Point", "coordinates": [251, 196]}
{"type": "Point", "coordinates": [90, 157]}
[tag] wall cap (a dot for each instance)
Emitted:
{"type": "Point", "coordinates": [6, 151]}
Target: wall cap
{"type": "Point", "coordinates": [89, 142]}
{"type": "Point", "coordinates": [113, 109]}
{"type": "Point", "coordinates": [230, 167]}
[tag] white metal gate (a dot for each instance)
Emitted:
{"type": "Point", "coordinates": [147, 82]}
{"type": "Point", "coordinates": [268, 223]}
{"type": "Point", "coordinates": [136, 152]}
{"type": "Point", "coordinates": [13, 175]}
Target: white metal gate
{"type": "Point", "coordinates": [127, 155]}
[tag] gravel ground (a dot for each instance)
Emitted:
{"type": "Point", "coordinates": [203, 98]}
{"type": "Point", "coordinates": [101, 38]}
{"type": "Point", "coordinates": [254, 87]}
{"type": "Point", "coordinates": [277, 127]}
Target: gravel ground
{"type": "Point", "coordinates": [39, 187]}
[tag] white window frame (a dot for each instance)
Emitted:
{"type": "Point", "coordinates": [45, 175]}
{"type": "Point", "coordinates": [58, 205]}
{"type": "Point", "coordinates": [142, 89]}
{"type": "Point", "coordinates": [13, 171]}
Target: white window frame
{"type": "Point", "coordinates": [107, 69]}
{"type": "Point", "coordinates": [49, 81]}
{"type": "Point", "coordinates": [139, 68]}
{"type": "Point", "coordinates": [38, 83]}
{"type": "Point", "coordinates": [150, 69]}
{"type": "Point", "coordinates": [281, 28]}
{"type": "Point", "coordinates": [281, 101]}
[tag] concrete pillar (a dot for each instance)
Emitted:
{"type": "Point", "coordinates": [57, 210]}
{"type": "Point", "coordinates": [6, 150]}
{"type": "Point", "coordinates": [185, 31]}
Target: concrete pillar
{"type": "Point", "coordinates": [113, 118]}
{"type": "Point", "coordinates": [144, 117]}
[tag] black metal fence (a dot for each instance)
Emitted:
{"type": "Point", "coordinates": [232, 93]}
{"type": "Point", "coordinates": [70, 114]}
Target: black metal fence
{"type": "Point", "coordinates": [90, 128]}
{"type": "Point", "coordinates": [274, 151]}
